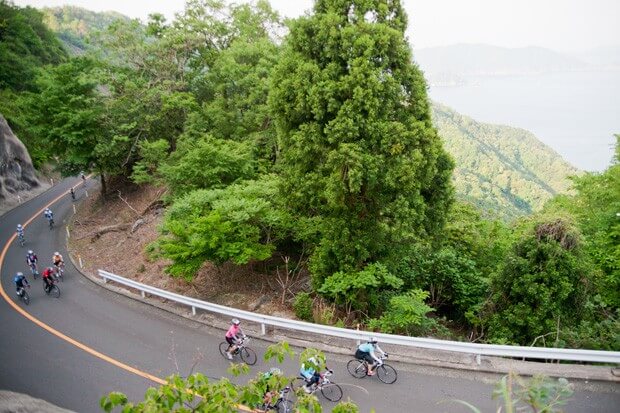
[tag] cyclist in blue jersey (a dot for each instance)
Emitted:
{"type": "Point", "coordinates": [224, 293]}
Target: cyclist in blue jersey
{"type": "Point", "coordinates": [366, 351]}
{"type": "Point", "coordinates": [20, 283]}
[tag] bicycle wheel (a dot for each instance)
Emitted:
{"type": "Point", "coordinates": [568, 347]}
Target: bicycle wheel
{"type": "Point", "coordinates": [248, 355]}
{"type": "Point", "coordinates": [332, 392]}
{"type": "Point", "coordinates": [284, 406]}
{"type": "Point", "coordinates": [386, 373]}
{"type": "Point", "coordinates": [54, 291]}
{"type": "Point", "coordinates": [223, 348]}
{"type": "Point", "coordinates": [356, 368]}
{"type": "Point", "coordinates": [25, 297]}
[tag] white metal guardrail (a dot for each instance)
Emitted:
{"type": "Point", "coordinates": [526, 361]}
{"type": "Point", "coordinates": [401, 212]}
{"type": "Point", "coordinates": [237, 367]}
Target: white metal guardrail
{"type": "Point", "coordinates": [595, 356]}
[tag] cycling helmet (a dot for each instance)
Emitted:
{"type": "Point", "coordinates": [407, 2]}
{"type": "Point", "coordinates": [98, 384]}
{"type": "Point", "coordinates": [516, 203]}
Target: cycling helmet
{"type": "Point", "coordinates": [373, 340]}
{"type": "Point", "coordinates": [275, 370]}
{"type": "Point", "coordinates": [56, 253]}
{"type": "Point", "coordinates": [234, 320]}
{"type": "Point", "coordinates": [19, 226]}
{"type": "Point", "coordinates": [30, 252]}
{"type": "Point", "coordinates": [19, 274]}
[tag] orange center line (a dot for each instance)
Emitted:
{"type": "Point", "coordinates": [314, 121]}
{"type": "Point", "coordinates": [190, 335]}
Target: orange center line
{"type": "Point", "coordinates": [62, 336]}
{"type": "Point", "coordinates": [52, 330]}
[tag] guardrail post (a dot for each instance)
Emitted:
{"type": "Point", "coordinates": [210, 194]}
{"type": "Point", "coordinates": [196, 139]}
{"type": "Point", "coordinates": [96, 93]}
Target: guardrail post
{"type": "Point", "coordinates": [74, 211]}
{"type": "Point", "coordinates": [80, 261]}
{"type": "Point", "coordinates": [105, 280]}
{"type": "Point", "coordinates": [262, 329]}
{"type": "Point", "coordinates": [68, 233]}
{"type": "Point", "coordinates": [478, 359]}
{"type": "Point", "coordinates": [193, 310]}
{"type": "Point", "coordinates": [142, 293]}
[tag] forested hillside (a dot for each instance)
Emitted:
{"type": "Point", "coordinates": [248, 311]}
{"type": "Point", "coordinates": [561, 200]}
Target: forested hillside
{"type": "Point", "coordinates": [504, 171]}
{"type": "Point", "coordinates": [75, 25]}
{"type": "Point", "coordinates": [309, 151]}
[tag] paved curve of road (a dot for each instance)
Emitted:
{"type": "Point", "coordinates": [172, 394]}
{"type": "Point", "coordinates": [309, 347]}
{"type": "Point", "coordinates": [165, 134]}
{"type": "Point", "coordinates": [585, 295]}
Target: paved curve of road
{"type": "Point", "coordinates": [38, 363]}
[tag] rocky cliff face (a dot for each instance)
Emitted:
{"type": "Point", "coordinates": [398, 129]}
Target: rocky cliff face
{"type": "Point", "coordinates": [16, 171]}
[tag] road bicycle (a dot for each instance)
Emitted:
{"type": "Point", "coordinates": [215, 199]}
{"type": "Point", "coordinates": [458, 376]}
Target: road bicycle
{"type": "Point", "coordinates": [358, 368]}
{"type": "Point", "coordinates": [23, 295]}
{"type": "Point", "coordinates": [21, 239]}
{"type": "Point", "coordinates": [51, 223]}
{"type": "Point", "coordinates": [59, 274]}
{"type": "Point", "coordinates": [246, 353]}
{"type": "Point", "coordinates": [331, 391]}
{"type": "Point", "coordinates": [282, 405]}
{"type": "Point", "coordinates": [52, 290]}
{"type": "Point", "coordinates": [33, 268]}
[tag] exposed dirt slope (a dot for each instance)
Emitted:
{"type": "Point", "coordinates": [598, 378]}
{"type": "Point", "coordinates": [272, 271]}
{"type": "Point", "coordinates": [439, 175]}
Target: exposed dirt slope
{"type": "Point", "coordinates": [102, 235]}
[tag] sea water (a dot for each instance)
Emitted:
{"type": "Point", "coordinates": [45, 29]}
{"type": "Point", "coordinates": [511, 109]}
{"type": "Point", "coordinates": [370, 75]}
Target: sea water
{"type": "Point", "coordinates": [575, 113]}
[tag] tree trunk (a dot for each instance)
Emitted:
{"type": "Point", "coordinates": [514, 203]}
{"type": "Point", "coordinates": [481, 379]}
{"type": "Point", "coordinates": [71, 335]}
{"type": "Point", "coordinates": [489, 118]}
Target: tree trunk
{"type": "Point", "coordinates": [104, 188]}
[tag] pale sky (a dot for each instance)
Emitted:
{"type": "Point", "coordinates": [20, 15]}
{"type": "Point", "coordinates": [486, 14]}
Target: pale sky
{"type": "Point", "coordinates": [563, 25]}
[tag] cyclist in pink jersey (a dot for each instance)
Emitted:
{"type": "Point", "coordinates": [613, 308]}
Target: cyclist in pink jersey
{"type": "Point", "coordinates": [234, 336]}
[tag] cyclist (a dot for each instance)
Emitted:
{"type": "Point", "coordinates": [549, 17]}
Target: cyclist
{"type": "Point", "coordinates": [49, 215]}
{"type": "Point", "coordinates": [366, 351]}
{"type": "Point", "coordinates": [48, 279]}
{"type": "Point", "coordinates": [234, 336]}
{"type": "Point", "coordinates": [20, 231]}
{"type": "Point", "coordinates": [20, 282]}
{"type": "Point", "coordinates": [72, 194]}
{"type": "Point", "coordinates": [57, 259]}
{"type": "Point", "coordinates": [31, 260]}
{"type": "Point", "coordinates": [308, 371]}
{"type": "Point", "coordinates": [269, 394]}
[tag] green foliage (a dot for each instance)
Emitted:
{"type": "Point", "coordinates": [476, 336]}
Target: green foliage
{"type": "Point", "coordinates": [358, 289]}
{"type": "Point", "coordinates": [357, 145]}
{"type": "Point", "coordinates": [538, 394]}
{"type": "Point", "coordinates": [26, 45]}
{"type": "Point", "coordinates": [239, 223]}
{"type": "Point", "coordinates": [236, 90]}
{"type": "Point", "coordinates": [303, 306]}
{"type": "Point", "coordinates": [541, 393]}
{"type": "Point", "coordinates": [69, 115]}
{"type": "Point", "coordinates": [543, 283]}
{"type": "Point", "coordinates": [151, 155]}
{"type": "Point", "coordinates": [314, 358]}
{"type": "Point", "coordinates": [278, 351]}
{"type": "Point", "coordinates": [206, 163]}
{"type": "Point", "coordinates": [504, 171]}
{"type": "Point", "coordinates": [407, 314]}
{"type": "Point", "coordinates": [600, 332]}
{"type": "Point", "coordinates": [597, 207]}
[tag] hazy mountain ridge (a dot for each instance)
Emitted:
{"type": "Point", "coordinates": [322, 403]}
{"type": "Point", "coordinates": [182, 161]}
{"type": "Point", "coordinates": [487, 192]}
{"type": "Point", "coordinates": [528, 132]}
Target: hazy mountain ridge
{"type": "Point", "coordinates": [469, 60]}
{"type": "Point", "coordinates": [505, 171]}
{"type": "Point", "coordinates": [74, 25]}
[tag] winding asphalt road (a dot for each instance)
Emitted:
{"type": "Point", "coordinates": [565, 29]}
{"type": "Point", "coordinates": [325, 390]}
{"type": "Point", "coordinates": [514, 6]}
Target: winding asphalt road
{"type": "Point", "coordinates": [73, 350]}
